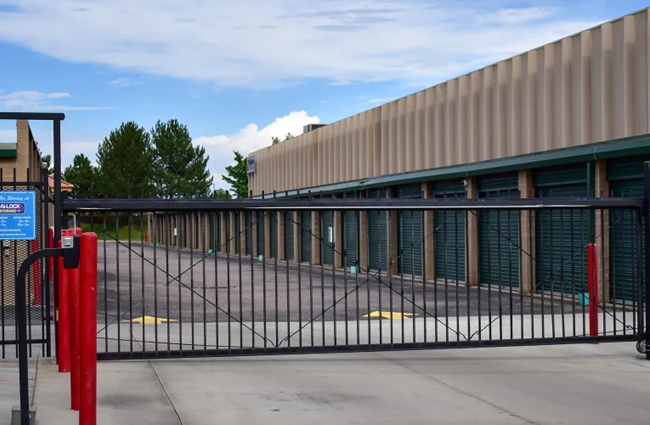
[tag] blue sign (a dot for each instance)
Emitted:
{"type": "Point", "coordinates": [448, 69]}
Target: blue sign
{"type": "Point", "coordinates": [250, 164]}
{"type": "Point", "coordinates": [17, 215]}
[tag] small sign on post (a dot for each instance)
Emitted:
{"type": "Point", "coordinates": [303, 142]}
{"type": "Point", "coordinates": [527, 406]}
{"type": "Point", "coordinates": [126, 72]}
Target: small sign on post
{"type": "Point", "coordinates": [17, 215]}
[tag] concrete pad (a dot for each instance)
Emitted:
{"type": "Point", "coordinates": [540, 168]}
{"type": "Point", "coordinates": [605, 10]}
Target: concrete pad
{"type": "Point", "coordinates": [9, 387]}
{"type": "Point", "coordinates": [344, 389]}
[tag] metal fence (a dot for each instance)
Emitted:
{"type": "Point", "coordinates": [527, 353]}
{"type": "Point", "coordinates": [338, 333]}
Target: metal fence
{"type": "Point", "coordinates": [212, 278]}
{"type": "Point", "coordinates": [38, 289]}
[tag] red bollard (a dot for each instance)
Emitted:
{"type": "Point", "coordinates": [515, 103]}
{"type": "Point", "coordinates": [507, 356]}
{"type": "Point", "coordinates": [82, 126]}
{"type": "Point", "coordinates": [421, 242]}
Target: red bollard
{"type": "Point", "coordinates": [74, 285]}
{"type": "Point", "coordinates": [37, 276]}
{"type": "Point", "coordinates": [592, 250]}
{"type": "Point", "coordinates": [88, 331]}
{"type": "Point", "coordinates": [63, 315]}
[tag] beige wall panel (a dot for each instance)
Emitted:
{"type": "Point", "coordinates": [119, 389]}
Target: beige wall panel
{"type": "Point", "coordinates": [460, 151]}
{"type": "Point", "coordinates": [618, 74]}
{"type": "Point", "coordinates": [406, 135]}
{"type": "Point", "coordinates": [515, 128]}
{"type": "Point", "coordinates": [396, 153]}
{"type": "Point", "coordinates": [474, 123]}
{"type": "Point", "coordinates": [429, 133]}
{"type": "Point", "coordinates": [362, 146]}
{"type": "Point", "coordinates": [639, 73]}
{"type": "Point", "coordinates": [487, 111]}
{"type": "Point", "coordinates": [345, 150]}
{"type": "Point", "coordinates": [439, 125]}
{"type": "Point", "coordinates": [419, 139]}
{"type": "Point", "coordinates": [450, 121]}
{"type": "Point", "coordinates": [586, 88]}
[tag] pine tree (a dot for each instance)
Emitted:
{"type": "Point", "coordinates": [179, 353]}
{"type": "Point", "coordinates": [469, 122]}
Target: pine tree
{"type": "Point", "coordinates": [82, 175]}
{"type": "Point", "coordinates": [180, 169]}
{"type": "Point", "coordinates": [237, 176]}
{"type": "Point", "coordinates": [125, 161]}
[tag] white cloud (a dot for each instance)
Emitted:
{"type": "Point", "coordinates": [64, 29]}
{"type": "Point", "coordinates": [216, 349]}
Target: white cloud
{"type": "Point", "coordinates": [249, 139]}
{"type": "Point", "coordinates": [273, 42]}
{"type": "Point", "coordinates": [378, 101]}
{"type": "Point", "coordinates": [123, 82]}
{"type": "Point", "coordinates": [37, 101]}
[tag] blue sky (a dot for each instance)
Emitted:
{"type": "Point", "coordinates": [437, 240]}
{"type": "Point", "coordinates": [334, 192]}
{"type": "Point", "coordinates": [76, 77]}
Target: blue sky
{"type": "Point", "coordinates": [238, 73]}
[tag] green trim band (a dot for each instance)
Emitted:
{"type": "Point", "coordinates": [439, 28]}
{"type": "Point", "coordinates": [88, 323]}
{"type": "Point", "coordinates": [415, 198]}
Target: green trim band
{"type": "Point", "coordinates": [8, 153]}
{"type": "Point", "coordinates": [638, 145]}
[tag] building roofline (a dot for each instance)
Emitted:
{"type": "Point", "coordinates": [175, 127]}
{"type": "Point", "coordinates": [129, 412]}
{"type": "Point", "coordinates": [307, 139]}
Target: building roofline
{"type": "Point", "coordinates": [637, 145]}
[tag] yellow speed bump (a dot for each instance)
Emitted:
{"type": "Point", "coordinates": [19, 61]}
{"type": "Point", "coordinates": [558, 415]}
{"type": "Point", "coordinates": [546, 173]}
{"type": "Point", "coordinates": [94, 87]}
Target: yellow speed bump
{"type": "Point", "coordinates": [389, 315]}
{"type": "Point", "coordinates": [150, 320]}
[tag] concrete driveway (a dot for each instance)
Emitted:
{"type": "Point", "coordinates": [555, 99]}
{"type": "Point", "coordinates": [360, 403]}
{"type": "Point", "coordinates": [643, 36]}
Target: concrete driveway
{"type": "Point", "coordinates": [588, 384]}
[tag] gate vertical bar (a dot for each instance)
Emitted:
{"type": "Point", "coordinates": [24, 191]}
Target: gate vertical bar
{"type": "Point", "coordinates": [56, 124]}
{"type": "Point", "coordinates": [646, 211]}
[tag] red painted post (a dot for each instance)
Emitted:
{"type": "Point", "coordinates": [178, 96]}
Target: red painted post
{"type": "Point", "coordinates": [37, 275]}
{"type": "Point", "coordinates": [592, 250]}
{"type": "Point", "coordinates": [74, 288]}
{"type": "Point", "coordinates": [63, 315]}
{"type": "Point", "coordinates": [88, 267]}
{"type": "Point", "coordinates": [50, 236]}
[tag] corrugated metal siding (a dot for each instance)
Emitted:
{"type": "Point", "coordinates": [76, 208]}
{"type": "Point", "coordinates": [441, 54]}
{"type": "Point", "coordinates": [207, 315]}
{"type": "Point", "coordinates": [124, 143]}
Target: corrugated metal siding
{"type": "Point", "coordinates": [351, 234]}
{"type": "Point", "coordinates": [583, 89]}
{"type": "Point", "coordinates": [377, 234]}
{"type": "Point", "coordinates": [625, 177]}
{"type": "Point", "coordinates": [327, 247]}
{"type": "Point", "coordinates": [289, 224]}
{"type": "Point", "coordinates": [561, 235]}
{"type": "Point", "coordinates": [449, 234]}
{"type": "Point", "coordinates": [273, 233]}
{"type": "Point", "coordinates": [305, 236]}
{"type": "Point", "coordinates": [499, 246]}
{"type": "Point", "coordinates": [410, 234]}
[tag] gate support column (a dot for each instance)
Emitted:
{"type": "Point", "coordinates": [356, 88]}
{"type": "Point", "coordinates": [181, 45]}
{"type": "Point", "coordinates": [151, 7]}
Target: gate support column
{"type": "Point", "coordinates": [338, 238]}
{"type": "Point", "coordinates": [297, 243]}
{"type": "Point", "coordinates": [363, 237]}
{"type": "Point", "coordinates": [267, 235]}
{"type": "Point", "coordinates": [602, 230]}
{"type": "Point", "coordinates": [646, 255]}
{"type": "Point", "coordinates": [471, 254]}
{"type": "Point", "coordinates": [242, 233]}
{"type": "Point", "coordinates": [315, 238]}
{"type": "Point", "coordinates": [429, 233]}
{"type": "Point", "coordinates": [527, 190]}
{"type": "Point", "coordinates": [224, 225]}
{"type": "Point", "coordinates": [393, 232]}
{"type": "Point", "coordinates": [233, 231]}
{"type": "Point", "coordinates": [255, 228]}
{"type": "Point", "coordinates": [280, 236]}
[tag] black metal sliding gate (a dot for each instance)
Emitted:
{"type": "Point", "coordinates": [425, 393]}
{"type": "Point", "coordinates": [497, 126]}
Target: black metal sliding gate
{"type": "Point", "coordinates": [175, 280]}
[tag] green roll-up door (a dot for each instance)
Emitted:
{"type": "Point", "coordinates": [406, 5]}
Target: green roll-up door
{"type": "Point", "coordinates": [288, 235]}
{"type": "Point", "coordinates": [237, 234]}
{"type": "Point", "coordinates": [625, 177]}
{"type": "Point", "coordinates": [561, 235]}
{"type": "Point", "coordinates": [327, 237]}
{"type": "Point", "coordinates": [305, 236]}
{"type": "Point", "coordinates": [273, 233]}
{"type": "Point", "coordinates": [377, 235]}
{"type": "Point", "coordinates": [249, 232]}
{"type": "Point", "coordinates": [498, 232]}
{"type": "Point", "coordinates": [410, 234]}
{"type": "Point", "coordinates": [449, 238]}
{"type": "Point", "coordinates": [351, 236]}
{"type": "Point", "coordinates": [260, 232]}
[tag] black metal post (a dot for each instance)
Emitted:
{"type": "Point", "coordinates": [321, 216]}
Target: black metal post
{"type": "Point", "coordinates": [21, 314]}
{"type": "Point", "coordinates": [646, 213]}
